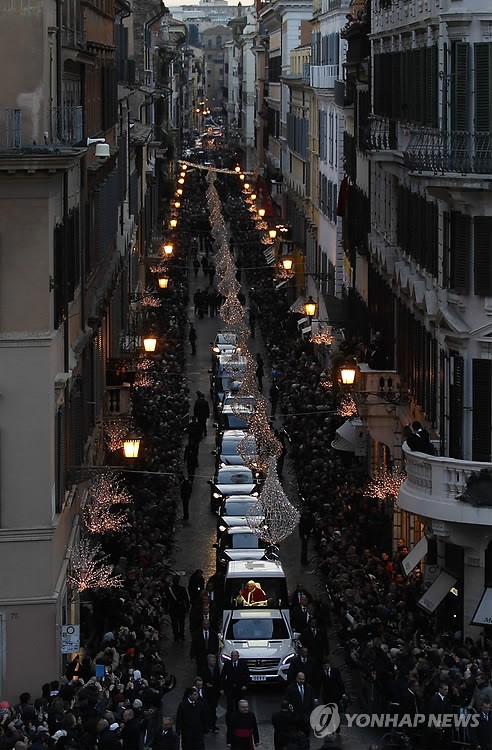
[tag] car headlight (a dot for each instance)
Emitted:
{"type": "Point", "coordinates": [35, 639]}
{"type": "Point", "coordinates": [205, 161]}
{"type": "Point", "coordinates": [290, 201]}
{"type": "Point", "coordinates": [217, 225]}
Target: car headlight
{"type": "Point", "coordinates": [222, 528]}
{"type": "Point", "coordinates": [216, 495]}
{"type": "Point", "coordinates": [288, 658]}
{"type": "Point", "coordinates": [216, 350]}
{"type": "Point", "coordinates": [255, 494]}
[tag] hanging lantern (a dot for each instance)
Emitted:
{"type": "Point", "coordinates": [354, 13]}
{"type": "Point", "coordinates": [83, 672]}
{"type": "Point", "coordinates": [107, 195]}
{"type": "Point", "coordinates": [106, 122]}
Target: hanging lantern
{"type": "Point", "coordinates": [347, 373]}
{"type": "Point", "coordinates": [272, 233]}
{"type": "Point", "coordinates": [168, 249]}
{"type": "Point", "coordinates": [261, 212]}
{"type": "Point", "coordinates": [287, 263]}
{"type": "Point", "coordinates": [150, 343]}
{"type": "Point", "coordinates": [310, 307]}
{"type": "Point", "coordinates": [173, 223]}
{"type": "Point", "coordinates": [163, 282]}
{"type": "Point", "coordinates": [131, 447]}
{"type": "Point", "coordinates": [177, 204]}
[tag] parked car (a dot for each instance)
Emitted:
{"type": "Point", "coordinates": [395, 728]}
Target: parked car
{"type": "Point", "coordinates": [229, 420]}
{"type": "Point", "coordinates": [221, 379]}
{"type": "Point", "coordinates": [231, 480]}
{"type": "Point", "coordinates": [237, 505]}
{"type": "Point", "coordinates": [226, 453]}
{"type": "Point", "coordinates": [225, 342]}
{"type": "Point", "coordinates": [265, 640]}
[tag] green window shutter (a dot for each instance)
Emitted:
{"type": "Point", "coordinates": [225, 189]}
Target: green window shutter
{"type": "Point", "coordinates": [460, 87]}
{"type": "Point", "coordinates": [482, 412]}
{"type": "Point", "coordinates": [460, 252]}
{"type": "Point", "coordinates": [430, 88]}
{"type": "Point", "coordinates": [482, 255]}
{"type": "Point", "coordinates": [396, 86]}
{"type": "Point", "coordinates": [456, 388]}
{"type": "Point", "coordinates": [446, 250]}
{"type": "Point", "coordinates": [483, 87]}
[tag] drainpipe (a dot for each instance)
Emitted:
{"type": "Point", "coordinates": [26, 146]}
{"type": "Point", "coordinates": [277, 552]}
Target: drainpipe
{"type": "Point", "coordinates": [59, 72]}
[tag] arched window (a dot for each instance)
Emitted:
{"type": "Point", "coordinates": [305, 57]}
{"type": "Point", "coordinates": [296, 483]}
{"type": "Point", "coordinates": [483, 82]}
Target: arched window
{"type": "Point", "coordinates": [218, 42]}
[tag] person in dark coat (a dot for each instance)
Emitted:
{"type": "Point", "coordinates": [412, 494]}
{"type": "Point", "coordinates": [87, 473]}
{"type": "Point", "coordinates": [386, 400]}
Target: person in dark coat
{"type": "Point", "coordinates": [408, 705]}
{"type": "Point", "coordinates": [283, 723]}
{"type": "Point", "coordinates": [202, 703]}
{"type": "Point", "coordinates": [211, 688]}
{"type": "Point", "coordinates": [234, 681]}
{"type": "Point", "coordinates": [178, 605]}
{"type": "Point", "coordinates": [167, 739]}
{"type": "Point", "coordinates": [306, 525]}
{"type": "Point", "coordinates": [196, 584]}
{"type": "Point", "coordinates": [434, 736]}
{"type": "Point", "coordinates": [189, 722]}
{"type": "Point", "coordinates": [274, 395]}
{"type": "Point", "coordinates": [303, 662]}
{"type": "Point", "coordinates": [196, 267]}
{"type": "Point", "coordinates": [300, 615]}
{"type": "Point", "coordinates": [300, 696]}
{"type": "Point", "coordinates": [131, 734]}
{"type": "Point", "coordinates": [201, 410]}
{"type": "Point", "coordinates": [194, 430]}
{"type": "Point", "coordinates": [260, 371]}
{"type": "Point", "coordinates": [197, 300]}
{"type": "Point", "coordinates": [203, 642]}
{"type": "Point", "coordinates": [192, 338]}
{"type": "Point", "coordinates": [315, 639]}
{"type": "Point", "coordinates": [242, 728]}
{"type": "Point", "coordinates": [481, 735]}
{"type": "Point", "coordinates": [211, 273]}
{"type": "Point", "coordinates": [190, 458]}
{"type": "Point", "coordinates": [107, 738]}
{"type": "Point", "coordinates": [205, 265]}
{"type": "Point", "coordinates": [332, 688]}
{"type": "Point", "coordinates": [185, 489]}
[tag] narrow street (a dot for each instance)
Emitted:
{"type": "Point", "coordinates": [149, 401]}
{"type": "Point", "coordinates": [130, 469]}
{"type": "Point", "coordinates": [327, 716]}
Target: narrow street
{"type": "Point", "coordinates": [196, 537]}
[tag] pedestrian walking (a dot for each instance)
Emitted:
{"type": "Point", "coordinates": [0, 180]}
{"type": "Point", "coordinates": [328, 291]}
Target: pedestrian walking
{"type": "Point", "coordinates": [205, 265]}
{"type": "Point", "coordinates": [185, 488]}
{"type": "Point", "coordinates": [211, 688]}
{"type": "Point", "coordinates": [283, 723]}
{"type": "Point", "coordinates": [197, 298]}
{"type": "Point", "coordinates": [201, 410]}
{"type": "Point", "coordinates": [204, 641]}
{"type": "Point", "coordinates": [178, 604]}
{"type": "Point", "coordinates": [301, 697]}
{"type": "Point", "coordinates": [242, 730]}
{"type": "Point", "coordinates": [211, 302]}
{"type": "Point", "coordinates": [189, 722]}
{"type": "Point", "coordinates": [192, 338]}
{"type": "Point", "coordinates": [194, 430]}
{"type": "Point", "coordinates": [196, 266]}
{"type": "Point", "coordinates": [191, 460]}
{"type": "Point", "coordinates": [167, 738]}
{"type": "Point", "coordinates": [306, 525]}
{"type": "Point", "coordinates": [260, 371]}
{"type": "Point", "coordinates": [234, 681]}
{"type": "Point", "coordinates": [211, 273]}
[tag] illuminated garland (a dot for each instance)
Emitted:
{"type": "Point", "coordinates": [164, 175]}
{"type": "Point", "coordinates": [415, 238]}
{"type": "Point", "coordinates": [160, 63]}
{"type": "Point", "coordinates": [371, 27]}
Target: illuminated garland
{"type": "Point", "coordinates": [272, 517]}
{"type": "Point", "coordinates": [347, 407]}
{"type": "Point", "coordinates": [89, 570]}
{"type": "Point", "coordinates": [115, 432]}
{"type": "Point", "coordinates": [385, 483]}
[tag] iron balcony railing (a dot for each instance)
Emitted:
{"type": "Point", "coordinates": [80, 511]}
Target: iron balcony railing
{"type": "Point", "coordinates": [324, 76]}
{"type": "Point", "coordinates": [458, 152]}
{"type": "Point", "coordinates": [67, 125]}
{"type": "Point", "coordinates": [10, 128]}
{"type": "Point", "coordinates": [382, 134]}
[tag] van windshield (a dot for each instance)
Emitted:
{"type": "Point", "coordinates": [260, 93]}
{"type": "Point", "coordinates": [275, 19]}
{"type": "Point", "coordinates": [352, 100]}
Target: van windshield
{"type": "Point", "coordinates": [261, 629]}
{"type": "Point", "coordinates": [275, 590]}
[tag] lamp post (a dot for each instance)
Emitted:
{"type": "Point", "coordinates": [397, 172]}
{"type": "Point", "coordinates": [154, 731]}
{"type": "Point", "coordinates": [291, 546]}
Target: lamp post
{"type": "Point", "coordinates": [168, 248]}
{"type": "Point", "coordinates": [347, 373]}
{"type": "Point", "coordinates": [150, 343]}
{"type": "Point", "coordinates": [163, 282]}
{"type": "Point", "coordinates": [310, 308]}
{"type": "Point", "coordinates": [131, 446]}
{"type": "Point", "coordinates": [173, 223]}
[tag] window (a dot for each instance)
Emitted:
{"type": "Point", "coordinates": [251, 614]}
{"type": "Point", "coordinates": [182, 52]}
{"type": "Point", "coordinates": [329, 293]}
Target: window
{"type": "Point", "coordinates": [257, 629]}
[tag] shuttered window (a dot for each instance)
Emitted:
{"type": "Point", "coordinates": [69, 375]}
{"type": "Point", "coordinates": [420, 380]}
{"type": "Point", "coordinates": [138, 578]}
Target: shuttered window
{"type": "Point", "coordinates": [456, 388]}
{"type": "Point", "coordinates": [483, 87]}
{"type": "Point", "coordinates": [406, 85]}
{"type": "Point", "coordinates": [60, 458]}
{"type": "Point", "coordinates": [459, 252]}
{"type": "Point", "coordinates": [482, 226]}
{"type": "Point", "coordinates": [58, 277]}
{"type": "Point", "coordinates": [482, 412]}
{"type": "Point", "coordinates": [460, 54]}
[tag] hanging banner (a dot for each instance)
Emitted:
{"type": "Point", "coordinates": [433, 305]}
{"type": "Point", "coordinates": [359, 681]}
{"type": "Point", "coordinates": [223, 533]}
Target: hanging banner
{"type": "Point", "coordinates": [415, 556]}
{"type": "Point", "coordinates": [483, 613]}
{"type": "Point", "coordinates": [436, 593]}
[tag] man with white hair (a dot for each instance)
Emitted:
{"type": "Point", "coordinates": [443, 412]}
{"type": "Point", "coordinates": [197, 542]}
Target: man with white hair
{"type": "Point", "coordinates": [242, 728]}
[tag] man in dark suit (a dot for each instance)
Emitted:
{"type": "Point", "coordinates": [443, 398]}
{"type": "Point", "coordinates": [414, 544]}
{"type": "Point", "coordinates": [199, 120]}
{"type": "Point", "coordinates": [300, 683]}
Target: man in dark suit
{"type": "Point", "coordinates": [178, 604]}
{"type": "Point", "coordinates": [409, 706]}
{"type": "Point", "coordinates": [303, 662]}
{"type": "Point", "coordinates": [211, 688]}
{"type": "Point", "coordinates": [301, 697]}
{"type": "Point", "coordinates": [167, 739]}
{"type": "Point", "coordinates": [314, 638]}
{"type": "Point", "coordinates": [203, 642]}
{"type": "Point", "coordinates": [332, 688]}
{"type": "Point", "coordinates": [300, 615]}
{"type": "Point", "coordinates": [189, 722]}
{"type": "Point", "coordinates": [300, 590]}
{"type": "Point", "coordinates": [435, 736]}
{"type": "Point", "coordinates": [481, 735]}
{"type": "Point", "coordinates": [234, 681]}
{"type": "Point", "coordinates": [283, 723]}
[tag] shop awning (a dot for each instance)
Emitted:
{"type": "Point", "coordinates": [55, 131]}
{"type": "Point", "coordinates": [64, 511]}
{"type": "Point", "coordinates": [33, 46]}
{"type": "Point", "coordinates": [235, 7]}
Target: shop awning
{"type": "Point", "coordinates": [298, 306]}
{"type": "Point", "coordinates": [350, 437]}
{"type": "Point", "coordinates": [483, 614]}
{"type": "Point", "coordinates": [436, 593]}
{"type": "Point", "coordinates": [415, 556]}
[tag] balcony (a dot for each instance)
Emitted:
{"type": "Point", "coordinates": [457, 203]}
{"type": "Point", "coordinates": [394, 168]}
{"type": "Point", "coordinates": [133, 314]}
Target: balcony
{"type": "Point", "coordinates": [10, 128]}
{"type": "Point", "coordinates": [432, 488]}
{"type": "Point", "coordinates": [382, 134]}
{"type": "Point", "coordinates": [67, 125]}
{"type": "Point", "coordinates": [324, 76]}
{"type": "Point", "coordinates": [455, 152]}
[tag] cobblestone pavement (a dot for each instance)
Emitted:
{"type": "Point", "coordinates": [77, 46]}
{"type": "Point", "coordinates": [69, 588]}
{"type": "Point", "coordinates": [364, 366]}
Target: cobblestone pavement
{"type": "Point", "coordinates": [195, 539]}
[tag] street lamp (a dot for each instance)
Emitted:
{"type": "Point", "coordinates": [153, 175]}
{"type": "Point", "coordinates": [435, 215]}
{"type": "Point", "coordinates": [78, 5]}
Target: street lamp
{"type": "Point", "coordinates": [287, 263]}
{"type": "Point", "coordinates": [173, 223]}
{"type": "Point", "coordinates": [163, 282]}
{"type": "Point", "coordinates": [237, 168]}
{"type": "Point", "coordinates": [272, 233]}
{"type": "Point", "coordinates": [261, 212]}
{"type": "Point", "coordinates": [310, 307]}
{"type": "Point", "coordinates": [179, 191]}
{"type": "Point", "coordinates": [347, 373]}
{"type": "Point", "coordinates": [168, 248]}
{"type": "Point", "coordinates": [177, 204]}
{"type": "Point", "coordinates": [181, 181]}
{"type": "Point", "coordinates": [131, 447]}
{"type": "Point", "coordinates": [150, 344]}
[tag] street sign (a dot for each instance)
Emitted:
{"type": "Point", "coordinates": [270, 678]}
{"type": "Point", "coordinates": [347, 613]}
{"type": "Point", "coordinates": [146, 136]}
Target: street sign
{"type": "Point", "coordinates": [70, 639]}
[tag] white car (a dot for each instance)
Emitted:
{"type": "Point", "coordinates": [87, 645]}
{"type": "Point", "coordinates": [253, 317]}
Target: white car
{"type": "Point", "coordinates": [231, 480]}
{"type": "Point", "coordinates": [264, 640]}
{"type": "Point", "coordinates": [225, 342]}
{"type": "Point", "coordinates": [237, 505]}
{"type": "Point", "coordinates": [240, 543]}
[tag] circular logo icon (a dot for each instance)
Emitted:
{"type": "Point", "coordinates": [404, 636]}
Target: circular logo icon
{"type": "Point", "coordinates": [325, 719]}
